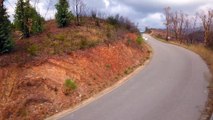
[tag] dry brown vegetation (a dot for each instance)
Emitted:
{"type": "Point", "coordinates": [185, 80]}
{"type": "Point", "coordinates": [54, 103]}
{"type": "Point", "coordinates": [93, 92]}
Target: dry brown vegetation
{"type": "Point", "coordinates": [34, 75]}
{"type": "Point", "coordinates": [183, 28]}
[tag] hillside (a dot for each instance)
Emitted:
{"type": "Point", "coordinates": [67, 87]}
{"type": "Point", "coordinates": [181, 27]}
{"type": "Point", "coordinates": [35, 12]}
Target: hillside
{"type": "Point", "coordinates": [33, 76]}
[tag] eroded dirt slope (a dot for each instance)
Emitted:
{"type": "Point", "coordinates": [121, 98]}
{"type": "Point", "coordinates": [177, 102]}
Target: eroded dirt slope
{"type": "Point", "coordinates": [35, 91]}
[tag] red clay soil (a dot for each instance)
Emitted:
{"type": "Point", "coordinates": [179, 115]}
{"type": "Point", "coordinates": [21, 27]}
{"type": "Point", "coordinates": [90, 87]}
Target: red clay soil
{"type": "Point", "coordinates": [35, 91]}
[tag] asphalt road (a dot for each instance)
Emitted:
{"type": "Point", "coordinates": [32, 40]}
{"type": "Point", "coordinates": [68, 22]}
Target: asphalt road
{"type": "Point", "coordinates": [172, 86]}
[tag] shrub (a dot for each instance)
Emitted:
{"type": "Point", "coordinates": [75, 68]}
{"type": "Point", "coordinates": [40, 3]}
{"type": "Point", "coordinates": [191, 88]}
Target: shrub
{"type": "Point", "coordinates": [94, 14]}
{"type": "Point", "coordinates": [70, 84]}
{"type": "Point", "coordinates": [60, 37]}
{"type": "Point", "coordinates": [109, 31]}
{"type": "Point", "coordinates": [120, 21]}
{"type": "Point", "coordinates": [33, 50]}
{"type": "Point", "coordinates": [112, 20]}
{"type": "Point", "coordinates": [139, 40]}
{"type": "Point", "coordinates": [128, 71]}
{"type": "Point", "coordinates": [83, 43]}
{"type": "Point", "coordinates": [129, 41]}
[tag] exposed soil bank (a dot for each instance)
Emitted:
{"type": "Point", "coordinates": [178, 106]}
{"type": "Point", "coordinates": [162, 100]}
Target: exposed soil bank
{"type": "Point", "coordinates": [36, 90]}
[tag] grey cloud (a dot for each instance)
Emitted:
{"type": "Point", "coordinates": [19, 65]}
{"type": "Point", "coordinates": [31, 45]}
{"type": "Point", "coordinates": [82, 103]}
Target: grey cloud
{"type": "Point", "coordinates": [144, 12]}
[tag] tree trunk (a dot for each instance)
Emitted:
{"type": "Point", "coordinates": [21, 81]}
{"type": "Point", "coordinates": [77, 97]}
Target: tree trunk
{"type": "Point", "coordinates": [167, 33]}
{"type": "Point", "coordinates": [206, 38]}
{"type": "Point", "coordinates": [1, 3]}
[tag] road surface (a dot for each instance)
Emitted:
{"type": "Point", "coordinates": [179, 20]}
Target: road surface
{"type": "Point", "coordinates": [172, 86]}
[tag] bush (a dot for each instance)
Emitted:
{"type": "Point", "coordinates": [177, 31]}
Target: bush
{"type": "Point", "coordinates": [120, 21]}
{"type": "Point", "coordinates": [112, 20]}
{"type": "Point", "coordinates": [94, 14]}
{"type": "Point", "coordinates": [70, 84]}
{"type": "Point", "coordinates": [129, 41]}
{"type": "Point", "coordinates": [139, 40]}
{"type": "Point", "coordinates": [84, 43]}
{"type": "Point", "coordinates": [60, 37]}
{"type": "Point", "coordinates": [128, 71]}
{"type": "Point", "coordinates": [33, 50]}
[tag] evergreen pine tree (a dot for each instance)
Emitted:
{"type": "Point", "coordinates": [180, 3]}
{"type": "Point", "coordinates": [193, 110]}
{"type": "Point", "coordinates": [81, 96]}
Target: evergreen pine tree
{"type": "Point", "coordinates": [63, 15]}
{"type": "Point", "coordinates": [21, 18]}
{"type": "Point", "coordinates": [6, 43]}
{"type": "Point", "coordinates": [37, 21]}
{"type": "Point", "coordinates": [27, 20]}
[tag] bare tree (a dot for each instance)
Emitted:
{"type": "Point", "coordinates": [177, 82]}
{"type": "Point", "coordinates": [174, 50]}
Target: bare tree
{"type": "Point", "coordinates": [192, 24]}
{"type": "Point", "coordinates": [181, 21]}
{"type": "Point", "coordinates": [207, 19]}
{"type": "Point", "coordinates": [186, 28]}
{"type": "Point", "coordinates": [79, 8]}
{"type": "Point", "coordinates": [174, 22]}
{"type": "Point", "coordinates": [167, 12]}
{"type": "Point", "coordinates": [178, 20]}
{"type": "Point", "coordinates": [195, 22]}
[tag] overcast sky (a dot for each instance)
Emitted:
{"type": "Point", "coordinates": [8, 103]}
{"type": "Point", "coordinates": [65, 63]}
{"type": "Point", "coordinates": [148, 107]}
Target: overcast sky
{"type": "Point", "coordinates": [143, 12]}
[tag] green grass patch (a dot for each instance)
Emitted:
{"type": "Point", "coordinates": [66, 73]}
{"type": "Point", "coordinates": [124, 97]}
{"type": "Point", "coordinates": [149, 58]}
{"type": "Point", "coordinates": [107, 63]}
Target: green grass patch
{"type": "Point", "coordinates": [70, 84]}
{"type": "Point", "coordinates": [139, 40]}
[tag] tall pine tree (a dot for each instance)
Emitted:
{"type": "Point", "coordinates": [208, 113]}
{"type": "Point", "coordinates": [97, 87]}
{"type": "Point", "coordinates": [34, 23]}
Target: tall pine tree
{"type": "Point", "coordinates": [27, 20]}
{"type": "Point", "coordinates": [63, 15]}
{"type": "Point", "coordinates": [37, 21]}
{"type": "Point", "coordinates": [21, 18]}
{"type": "Point", "coordinates": [6, 43]}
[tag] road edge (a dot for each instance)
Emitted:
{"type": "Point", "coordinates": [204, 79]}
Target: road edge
{"type": "Point", "coordinates": [202, 117]}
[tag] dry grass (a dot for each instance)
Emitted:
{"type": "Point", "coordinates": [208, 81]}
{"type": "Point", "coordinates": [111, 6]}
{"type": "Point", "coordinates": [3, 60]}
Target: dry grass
{"type": "Point", "coordinates": [54, 41]}
{"type": "Point", "coordinates": [207, 55]}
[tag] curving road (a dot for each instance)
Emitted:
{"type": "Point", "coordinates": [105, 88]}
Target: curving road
{"type": "Point", "coordinates": [172, 87]}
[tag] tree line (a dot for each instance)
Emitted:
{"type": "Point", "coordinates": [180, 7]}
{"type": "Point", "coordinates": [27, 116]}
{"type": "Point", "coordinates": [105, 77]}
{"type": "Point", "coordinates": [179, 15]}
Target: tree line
{"type": "Point", "coordinates": [185, 27]}
{"type": "Point", "coordinates": [29, 22]}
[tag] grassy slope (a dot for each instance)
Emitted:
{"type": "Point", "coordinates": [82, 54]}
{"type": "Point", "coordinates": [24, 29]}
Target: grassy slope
{"type": "Point", "coordinates": [57, 41]}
